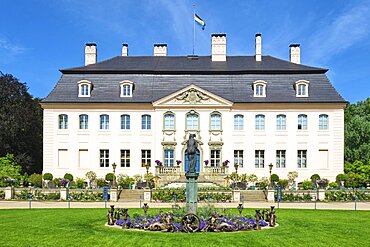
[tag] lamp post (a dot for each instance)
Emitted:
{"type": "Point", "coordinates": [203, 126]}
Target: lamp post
{"type": "Point", "coordinates": [236, 166]}
{"type": "Point", "coordinates": [114, 165]}
{"type": "Point", "coordinates": [147, 166]}
{"type": "Point", "coordinates": [270, 168]}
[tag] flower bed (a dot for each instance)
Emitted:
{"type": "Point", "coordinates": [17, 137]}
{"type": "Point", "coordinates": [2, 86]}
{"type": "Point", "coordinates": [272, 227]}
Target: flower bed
{"type": "Point", "coordinates": [345, 196]}
{"type": "Point", "coordinates": [167, 195]}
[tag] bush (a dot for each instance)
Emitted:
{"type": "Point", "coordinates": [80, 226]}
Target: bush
{"type": "Point", "coordinates": [333, 185]}
{"type": "Point", "coordinates": [345, 196]}
{"type": "Point", "coordinates": [100, 182]}
{"type": "Point", "coordinates": [2, 194]}
{"type": "Point", "coordinates": [315, 177]}
{"type": "Point", "coordinates": [80, 183]}
{"type": "Point", "coordinates": [307, 185]}
{"type": "Point", "coordinates": [47, 176]}
{"type": "Point", "coordinates": [68, 177]}
{"type": "Point", "coordinates": [56, 182]}
{"type": "Point", "coordinates": [295, 197]}
{"type": "Point", "coordinates": [283, 183]}
{"type": "Point", "coordinates": [36, 180]}
{"type": "Point", "coordinates": [263, 183]}
{"type": "Point", "coordinates": [109, 177]}
{"type": "Point", "coordinates": [275, 178]}
{"type": "Point", "coordinates": [341, 177]}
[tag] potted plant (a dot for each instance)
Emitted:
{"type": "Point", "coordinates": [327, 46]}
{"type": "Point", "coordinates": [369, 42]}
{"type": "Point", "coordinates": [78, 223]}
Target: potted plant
{"type": "Point", "coordinates": [206, 162]}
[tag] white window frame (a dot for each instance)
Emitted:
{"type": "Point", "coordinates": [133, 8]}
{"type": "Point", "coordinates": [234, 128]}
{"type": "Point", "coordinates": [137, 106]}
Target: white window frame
{"type": "Point", "coordinates": [281, 122]}
{"type": "Point", "coordinates": [63, 121]}
{"type": "Point", "coordinates": [215, 121]}
{"type": "Point", "coordinates": [146, 122]}
{"type": "Point", "coordinates": [104, 122]}
{"type": "Point", "coordinates": [82, 93]}
{"type": "Point", "coordinates": [280, 158]}
{"type": "Point", "coordinates": [298, 85]}
{"type": "Point", "coordinates": [146, 157]}
{"type": "Point", "coordinates": [104, 157]}
{"type": "Point", "coordinates": [302, 122]}
{"type": "Point", "coordinates": [259, 158]}
{"type": "Point", "coordinates": [125, 158]}
{"type": "Point", "coordinates": [259, 89]}
{"type": "Point", "coordinates": [238, 157]}
{"type": "Point", "coordinates": [84, 121]}
{"type": "Point", "coordinates": [302, 158]}
{"type": "Point", "coordinates": [323, 122]}
{"type": "Point", "coordinates": [194, 121]}
{"type": "Point", "coordinates": [124, 85]}
{"type": "Point", "coordinates": [169, 157]}
{"type": "Point", "coordinates": [169, 121]}
{"type": "Point", "coordinates": [260, 122]}
{"type": "Point", "coordinates": [238, 122]}
{"type": "Point", "coordinates": [125, 122]}
{"type": "Point", "coordinates": [215, 158]}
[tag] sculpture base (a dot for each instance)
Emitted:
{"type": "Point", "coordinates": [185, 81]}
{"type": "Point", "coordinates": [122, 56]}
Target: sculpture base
{"type": "Point", "coordinates": [191, 192]}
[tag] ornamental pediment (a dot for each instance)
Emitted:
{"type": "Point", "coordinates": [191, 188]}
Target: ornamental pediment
{"type": "Point", "coordinates": [192, 96]}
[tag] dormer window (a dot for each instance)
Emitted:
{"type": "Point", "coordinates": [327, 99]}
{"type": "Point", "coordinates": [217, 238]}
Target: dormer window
{"type": "Point", "coordinates": [126, 88]}
{"type": "Point", "coordinates": [259, 88]}
{"type": "Point", "coordinates": [301, 88]}
{"type": "Point", "coordinates": [84, 88]}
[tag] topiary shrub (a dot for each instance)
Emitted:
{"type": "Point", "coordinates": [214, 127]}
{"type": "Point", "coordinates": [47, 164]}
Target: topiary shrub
{"type": "Point", "coordinates": [283, 183]}
{"type": "Point", "coordinates": [275, 178]}
{"type": "Point", "coordinates": [80, 183]}
{"type": "Point", "coordinates": [333, 185]}
{"type": "Point", "coordinates": [109, 177]}
{"type": "Point", "coordinates": [56, 182]}
{"type": "Point", "coordinates": [36, 180]}
{"type": "Point", "coordinates": [47, 176]}
{"type": "Point", "coordinates": [307, 185]}
{"type": "Point", "coordinates": [68, 177]}
{"type": "Point", "coordinates": [100, 182]}
{"type": "Point", "coordinates": [315, 177]}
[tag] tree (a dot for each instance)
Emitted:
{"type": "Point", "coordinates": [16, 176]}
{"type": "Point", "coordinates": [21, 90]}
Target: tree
{"type": "Point", "coordinates": [9, 169]}
{"type": "Point", "coordinates": [91, 176]}
{"type": "Point", "coordinates": [356, 132]}
{"type": "Point", "coordinates": [20, 124]}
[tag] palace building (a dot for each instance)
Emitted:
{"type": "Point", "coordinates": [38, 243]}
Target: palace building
{"type": "Point", "coordinates": [248, 111]}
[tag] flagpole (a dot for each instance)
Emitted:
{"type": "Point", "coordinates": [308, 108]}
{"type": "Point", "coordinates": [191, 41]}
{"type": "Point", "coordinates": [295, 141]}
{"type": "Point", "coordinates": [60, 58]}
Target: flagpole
{"type": "Point", "coordinates": [193, 28]}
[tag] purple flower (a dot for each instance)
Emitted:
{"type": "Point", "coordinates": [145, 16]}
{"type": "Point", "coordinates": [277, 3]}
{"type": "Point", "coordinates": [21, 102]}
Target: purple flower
{"type": "Point", "coordinates": [226, 162]}
{"type": "Point", "coordinates": [178, 162]}
{"type": "Point", "coordinates": [206, 162]}
{"type": "Point", "coordinates": [64, 182]}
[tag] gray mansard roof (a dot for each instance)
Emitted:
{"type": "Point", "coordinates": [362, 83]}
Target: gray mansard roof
{"type": "Point", "coordinates": [157, 77]}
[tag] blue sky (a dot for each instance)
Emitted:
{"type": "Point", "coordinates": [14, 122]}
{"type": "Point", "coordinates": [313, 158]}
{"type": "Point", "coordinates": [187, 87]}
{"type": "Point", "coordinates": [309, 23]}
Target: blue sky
{"type": "Point", "coordinates": [37, 38]}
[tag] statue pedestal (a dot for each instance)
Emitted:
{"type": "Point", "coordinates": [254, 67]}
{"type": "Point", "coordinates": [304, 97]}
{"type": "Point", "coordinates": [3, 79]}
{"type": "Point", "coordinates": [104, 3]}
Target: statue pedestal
{"type": "Point", "coordinates": [271, 195]}
{"type": "Point", "coordinates": [191, 192]}
{"type": "Point", "coordinates": [9, 193]}
{"type": "Point", "coordinates": [147, 195]}
{"type": "Point", "coordinates": [114, 195]}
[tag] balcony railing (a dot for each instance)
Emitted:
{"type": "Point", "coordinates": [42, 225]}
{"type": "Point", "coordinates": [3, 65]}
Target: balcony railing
{"type": "Point", "coordinates": [216, 170]}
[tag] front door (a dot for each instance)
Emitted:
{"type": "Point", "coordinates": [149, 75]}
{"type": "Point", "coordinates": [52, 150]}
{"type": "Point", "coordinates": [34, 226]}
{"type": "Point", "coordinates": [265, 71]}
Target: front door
{"type": "Point", "coordinates": [186, 160]}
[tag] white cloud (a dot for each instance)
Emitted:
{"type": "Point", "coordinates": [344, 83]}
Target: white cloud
{"type": "Point", "coordinates": [10, 48]}
{"type": "Point", "coordinates": [345, 31]}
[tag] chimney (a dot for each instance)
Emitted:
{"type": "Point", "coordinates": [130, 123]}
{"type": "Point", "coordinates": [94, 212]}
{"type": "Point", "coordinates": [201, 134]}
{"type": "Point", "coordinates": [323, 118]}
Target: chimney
{"type": "Point", "coordinates": [219, 47]}
{"type": "Point", "coordinates": [90, 53]}
{"type": "Point", "coordinates": [295, 53]}
{"type": "Point", "coordinates": [160, 49]}
{"type": "Point", "coordinates": [258, 47]}
{"type": "Point", "coordinates": [124, 50]}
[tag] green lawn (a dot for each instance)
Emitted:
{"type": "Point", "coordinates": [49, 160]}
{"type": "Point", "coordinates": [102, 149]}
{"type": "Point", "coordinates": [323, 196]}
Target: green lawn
{"type": "Point", "coordinates": [85, 227]}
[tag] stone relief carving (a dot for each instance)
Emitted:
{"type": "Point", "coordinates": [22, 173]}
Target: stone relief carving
{"type": "Point", "coordinates": [192, 96]}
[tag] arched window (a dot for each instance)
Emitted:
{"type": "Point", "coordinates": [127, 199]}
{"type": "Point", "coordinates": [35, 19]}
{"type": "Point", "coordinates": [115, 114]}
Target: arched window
{"type": "Point", "coordinates": [104, 122]}
{"type": "Point", "coordinates": [126, 88]}
{"type": "Point", "coordinates": [215, 121]}
{"type": "Point", "coordinates": [125, 122]}
{"type": "Point", "coordinates": [260, 122]}
{"type": "Point", "coordinates": [84, 121]}
{"type": "Point", "coordinates": [301, 88]}
{"type": "Point", "coordinates": [281, 122]}
{"type": "Point", "coordinates": [169, 121]}
{"type": "Point", "coordinates": [84, 88]}
{"type": "Point", "coordinates": [146, 122]}
{"type": "Point", "coordinates": [238, 122]}
{"type": "Point", "coordinates": [323, 122]}
{"type": "Point", "coordinates": [192, 121]}
{"type": "Point", "coordinates": [302, 122]}
{"type": "Point", "coordinates": [63, 121]}
{"type": "Point", "coordinates": [259, 88]}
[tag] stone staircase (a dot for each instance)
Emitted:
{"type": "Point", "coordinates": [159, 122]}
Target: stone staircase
{"type": "Point", "coordinates": [253, 195]}
{"type": "Point", "coordinates": [201, 180]}
{"type": "Point", "coordinates": [126, 195]}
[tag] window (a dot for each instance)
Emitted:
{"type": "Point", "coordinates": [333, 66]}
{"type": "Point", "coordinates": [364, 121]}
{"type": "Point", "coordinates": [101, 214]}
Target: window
{"type": "Point", "coordinates": [145, 157]}
{"type": "Point", "coordinates": [125, 158]}
{"type": "Point", "coordinates": [260, 122]}
{"type": "Point", "coordinates": [192, 121]}
{"type": "Point", "coordinates": [259, 88]}
{"type": "Point", "coordinates": [323, 122]}
{"type": "Point", "coordinates": [169, 121]}
{"type": "Point", "coordinates": [104, 122]}
{"type": "Point", "coordinates": [238, 122]}
{"type": "Point", "coordinates": [215, 121]}
{"type": "Point", "coordinates": [63, 121]}
{"type": "Point", "coordinates": [280, 158]}
{"type": "Point", "coordinates": [104, 158]}
{"type": "Point", "coordinates": [125, 122]}
{"type": "Point", "coordinates": [281, 122]}
{"type": "Point", "coordinates": [169, 158]}
{"type": "Point", "coordinates": [301, 88]}
{"type": "Point", "coordinates": [84, 121]}
{"type": "Point", "coordinates": [84, 88]}
{"type": "Point", "coordinates": [238, 157]}
{"type": "Point", "coordinates": [259, 158]}
{"type": "Point", "coordinates": [146, 122]}
{"type": "Point", "coordinates": [302, 158]}
{"type": "Point", "coordinates": [126, 88]}
{"type": "Point", "coordinates": [215, 158]}
{"type": "Point", "coordinates": [302, 122]}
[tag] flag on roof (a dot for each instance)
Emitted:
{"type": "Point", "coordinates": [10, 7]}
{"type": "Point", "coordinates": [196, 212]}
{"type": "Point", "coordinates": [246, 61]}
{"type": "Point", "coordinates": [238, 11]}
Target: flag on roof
{"type": "Point", "coordinates": [199, 20]}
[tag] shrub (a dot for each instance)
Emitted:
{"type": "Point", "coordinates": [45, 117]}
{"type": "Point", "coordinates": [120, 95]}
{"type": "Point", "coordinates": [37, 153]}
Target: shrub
{"type": "Point", "coordinates": [91, 176]}
{"type": "Point", "coordinates": [2, 194]}
{"type": "Point", "coordinates": [333, 185]}
{"type": "Point", "coordinates": [323, 183]}
{"type": "Point", "coordinates": [80, 183]}
{"type": "Point", "coordinates": [56, 181]}
{"type": "Point", "coordinates": [292, 175]}
{"type": "Point", "coordinates": [307, 185]}
{"type": "Point", "coordinates": [47, 176]}
{"type": "Point", "coordinates": [283, 183]}
{"type": "Point", "coordinates": [341, 177]}
{"type": "Point", "coordinates": [263, 183]}
{"type": "Point", "coordinates": [36, 180]}
{"type": "Point", "coordinates": [315, 177]}
{"type": "Point", "coordinates": [275, 178]}
{"type": "Point", "coordinates": [68, 177]}
{"type": "Point", "coordinates": [109, 177]}
{"type": "Point", "coordinates": [138, 178]}
{"type": "Point", "coordinates": [100, 182]}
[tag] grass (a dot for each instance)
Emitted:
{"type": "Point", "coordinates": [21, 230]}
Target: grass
{"type": "Point", "coordinates": [85, 227]}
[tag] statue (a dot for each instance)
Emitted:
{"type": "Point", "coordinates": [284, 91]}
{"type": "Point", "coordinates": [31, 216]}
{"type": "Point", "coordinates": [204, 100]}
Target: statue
{"type": "Point", "coordinates": [192, 153]}
{"type": "Point", "coordinates": [111, 215]}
